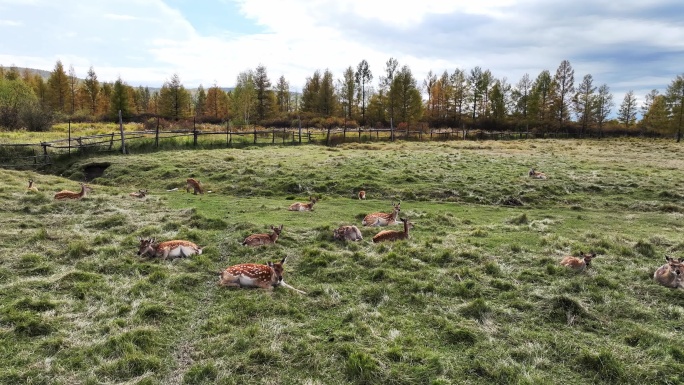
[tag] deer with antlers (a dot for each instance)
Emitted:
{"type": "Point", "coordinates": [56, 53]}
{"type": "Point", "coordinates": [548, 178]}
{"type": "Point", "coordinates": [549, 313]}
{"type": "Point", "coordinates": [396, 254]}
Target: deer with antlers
{"type": "Point", "coordinates": [670, 274]}
{"type": "Point", "coordinates": [266, 276]}
{"type": "Point", "coordinates": [347, 233]}
{"type": "Point", "coordinates": [393, 235]}
{"type": "Point", "coordinates": [66, 194]}
{"type": "Point", "coordinates": [303, 206]}
{"type": "Point", "coordinates": [173, 249]}
{"type": "Point", "coordinates": [534, 174]}
{"type": "Point", "coordinates": [578, 264]}
{"type": "Point", "coordinates": [383, 219]}
{"type": "Point", "coordinates": [139, 194]}
{"type": "Point", "coordinates": [263, 239]}
{"type": "Point", "coordinates": [195, 185]}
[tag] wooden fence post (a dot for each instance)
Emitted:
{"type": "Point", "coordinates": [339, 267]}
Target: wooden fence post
{"type": "Point", "coordinates": [123, 139]}
{"type": "Point", "coordinates": [70, 135]}
{"type": "Point", "coordinates": [194, 132]}
{"type": "Point", "coordinates": [111, 142]}
{"type": "Point", "coordinates": [156, 134]}
{"type": "Point", "coordinates": [255, 134]}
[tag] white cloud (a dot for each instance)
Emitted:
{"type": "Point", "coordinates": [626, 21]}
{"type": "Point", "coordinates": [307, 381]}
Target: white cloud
{"type": "Point", "coordinates": [10, 23]}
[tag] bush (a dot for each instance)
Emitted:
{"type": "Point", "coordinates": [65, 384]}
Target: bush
{"type": "Point", "coordinates": [36, 118]}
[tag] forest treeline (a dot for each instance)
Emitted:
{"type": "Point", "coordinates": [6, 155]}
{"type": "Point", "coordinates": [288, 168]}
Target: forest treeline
{"type": "Point", "coordinates": [461, 99]}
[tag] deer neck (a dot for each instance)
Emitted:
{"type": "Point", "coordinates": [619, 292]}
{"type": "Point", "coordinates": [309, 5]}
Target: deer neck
{"type": "Point", "coordinates": [274, 237]}
{"type": "Point", "coordinates": [83, 191]}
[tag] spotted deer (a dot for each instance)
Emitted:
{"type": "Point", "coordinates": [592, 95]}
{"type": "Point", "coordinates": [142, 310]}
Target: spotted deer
{"type": "Point", "coordinates": [347, 233]}
{"type": "Point", "coordinates": [578, 264]}
{"type": "Point", "coordinates": [534, 174]}
{"type": "Point", "coordinates": [66, 194]}
{"type": "Point", "coordinates": [303, 206]}
{"type": "Point", "coordinates": [383, 219]}
{"type": "Point", "coordinates": [173, 249]}
{"type": "Point", "coordinates": [393, 235]}
{"type": "Point", "coordinates": [195, 185]}
{"type": "Point", "coordinates": [670, 274]}
{"type": "Point", "coordinates": [139, 194]}
{"type": "Point", "coordinates": [31, 186]}
{"type": "Point", "coordinates": [263, 239]}
{"type": "Point", "coordinates": [362, 194]}
{"type": "Point", "coordinates": [266, 276]}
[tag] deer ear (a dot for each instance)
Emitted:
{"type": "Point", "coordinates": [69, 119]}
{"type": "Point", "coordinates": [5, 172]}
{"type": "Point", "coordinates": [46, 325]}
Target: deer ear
{"type": "Point", "coordinates": [281, 227]}
{"type": "Point", "coordinates": [269, 264]}
{"type": "Point", "coordinates": [282, 262]}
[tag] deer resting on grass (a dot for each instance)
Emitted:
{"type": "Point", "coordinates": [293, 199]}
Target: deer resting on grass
{"type": "Point", "coordinates": [66, 194]}
{"type": "Point", "coordinates": [303, 206]}
{"type": "Point", "coordinates": [263, 239]}
{"type": "Point", "coordinates": [383, 219]}
{"type": "Point", "coordinates": [173, 249]}
{"type": "Point", "coordinates": [578, 264]}
{"type": "Point", "coordinates": [266, 276]}
{"type": "Point", "coordinates": [670, 274]}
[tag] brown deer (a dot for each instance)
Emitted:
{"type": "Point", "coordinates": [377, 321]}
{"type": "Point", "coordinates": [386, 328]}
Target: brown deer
{"type": "Point", "coordinates": [383, 219]}
{"type": "Point", "coordinates": [66, 194]}
{"type": "Point", "coordinates": [362, 194]}
{"type": "Point", "coordinates": [670, 274]}
{"type": "Point", "coordinates": [347, 233]}
{"type": "Point", "coordinates": [534, 174]}
{"type": "Point", "coordinates": [393, 235]}
{"type": "Point", "coordinates": [303, 206]}
{"type": "Point", "coordinates": [263, 239]}
{"type": "Point", "coordinates": [578, 264]}
{"type": "Point", "coordinates": [195, 185]}
{"type": "Point", "coordinates": [173, 249]}
{"type": "Point", "coordinates": [32, 186]}
{"type": "Point", "coordinates": [139, 194]}
{"type": "Point", "coordinates": [266, 276]}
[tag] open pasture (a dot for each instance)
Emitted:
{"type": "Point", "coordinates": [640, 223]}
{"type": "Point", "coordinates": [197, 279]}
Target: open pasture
{"type": "Point", "coordinates": [475, 296]}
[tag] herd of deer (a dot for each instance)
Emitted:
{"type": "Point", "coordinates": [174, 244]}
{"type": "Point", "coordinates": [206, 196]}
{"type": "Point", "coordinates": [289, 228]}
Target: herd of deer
{"type": "Point", "coordinates": [270, 275]}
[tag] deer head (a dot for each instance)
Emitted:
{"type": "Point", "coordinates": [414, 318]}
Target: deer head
{"type": "Point", "coordinates": [147, 246]}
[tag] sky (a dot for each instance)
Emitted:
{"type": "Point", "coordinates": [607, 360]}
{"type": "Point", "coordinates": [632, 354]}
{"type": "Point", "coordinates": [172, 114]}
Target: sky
{"type": "Point", "coordinates": [627, 44]}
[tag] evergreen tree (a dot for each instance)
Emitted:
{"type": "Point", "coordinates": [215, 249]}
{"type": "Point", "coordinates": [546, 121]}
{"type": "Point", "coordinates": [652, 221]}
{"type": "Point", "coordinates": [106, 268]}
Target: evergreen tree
{"type": "Point", "coordinates": [584, 102]}
{"type": "Point", "coordinates": [262, 86]}
{"type": "Point", "coordinates": [174, 99]}
{"type": "Point", "coordinates": [348, 90]}
{"type": "Point", "coordinates": [120, 100]}
{"type": "Point", "coordinates": [200, 101]}
{"type": "Point", "coordinates": [363, 77]}
{"type": "Point", "coordinates": [283, 95]}
{"type": "Point", "coordinates": [409, 102]}
{"type": "Point", "coordinates": [58, 88]}
{"type": "Point", "coordinates": [675, 99]}
{"type": "Point", "coordinates": [563, 90]}
{"type": "Point", "coordinates": [92, 87]}
{"type": "Point", "coordinates": [521, 99]}
{"type": "Point", "coordinates": [459, 85]}
{"type": "Point", "coordinates": [604, 105]}
{"type": "Point", "coordinates": [243, 96]}
{"type": "Point", "coordinates": [628, 109]}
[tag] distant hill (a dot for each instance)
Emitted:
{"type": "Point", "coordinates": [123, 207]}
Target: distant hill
{"type": "Point", "coordinates": [46, 74]}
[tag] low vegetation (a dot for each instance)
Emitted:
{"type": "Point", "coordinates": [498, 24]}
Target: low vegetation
{"type": "Point", "coordinates": [476, 295]}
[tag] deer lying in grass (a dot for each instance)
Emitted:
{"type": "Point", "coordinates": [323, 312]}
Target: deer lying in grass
{"type": "Point", "coordinates": [383, 219]}
{"type": "Point", "coordinates": [266, 276]}
{"type": "Point", "coordinates": [362, 194]}
{"type": "Point", "coordinates": [670, 274]}
{"type": "Point", "coordinates": [578, 264]}
{"type": "Point", "coordinates": [393, 235]}
{"type": "Point", "coordinates": [31, 186]}
{"type": "Point", "coordinates": [173, 249]}
{"type": "Point", "coordinates": [534, 174]}
{"type": "Point", "coordinates": [195, 185]}
{"type": "Point", "coordinates": [66, 194]}
{"type": "Point", "coordinates": [347, 233]}
{"type": "Point", "coordinates": [263, 239]}
{"type": "Point", "coordinates": [303, 206]}
{"type": "Point", "coordinates": [139, 194]}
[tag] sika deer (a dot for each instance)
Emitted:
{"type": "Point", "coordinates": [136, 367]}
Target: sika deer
{"type": "Point", "coordinates": [265, 276]}
{"type": "Point", "coordinates": [303, 206]}
{"type": "Point", "coordinates": [536, 174]}
{"type": "Point", "coordinates": [670, 274]}
{"type": "Point", "coordinates": [347, 233]}
{"type": "Point", "coordinates": [31, 186]}
{"type": "Point", "coordinates": [578, 264]}
{"type": "Point", "coordinates": [173, 249]}
{"type": "Point", "coordinates": [393, 235]}
{"type": "Point", "coordinates": [263, 239]}
{"type": "Point", "coordinates": [362, 194]}
{"type": "Point", "coordinates": [383, 219]}
{"type": "Point", "coordinates": [195, 185]}
{"type": "Point", "coordinates": [66, 194]}
{"type": "Point", "coordinates": [139, 194]}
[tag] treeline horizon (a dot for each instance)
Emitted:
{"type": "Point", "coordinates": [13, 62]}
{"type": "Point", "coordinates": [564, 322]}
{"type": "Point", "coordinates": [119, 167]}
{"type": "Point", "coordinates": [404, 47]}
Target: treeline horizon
{"type": "Point", "coordinates": [467, 99]}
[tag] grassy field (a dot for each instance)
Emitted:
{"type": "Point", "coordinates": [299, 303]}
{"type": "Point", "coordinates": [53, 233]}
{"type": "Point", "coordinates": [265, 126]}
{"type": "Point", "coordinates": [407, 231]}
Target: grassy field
{"type": "Point", "coordinates": [475, 296]}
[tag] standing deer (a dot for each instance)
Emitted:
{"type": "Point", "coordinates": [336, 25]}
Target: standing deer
{"type": "Point", "coordinates": [578, 264]}
{"type": "Point", "coordinates": [195, 185]}
{"type": "Point", "coordinates": [31, 186]}
{"type": "Point", "coordinates": [139, 194]}
{"type": "Point", "coordinates": [393, 235]}
{"type": "Point", "coordinates": [670, 274]}
{"type": "Point", "coordinates": [266, 276]}
{"type": "Point", "coordinates": [66, 194]}
{"type": "Point", "coordinates": [383, 219]}
{"type": "Point", "coordinates": [303, 206]}
{"type": "Point", "coordinates": [173, 249]}
{"type": "Point", "coordinates": [263, 239]}
{"type": "Point", "coordinates": [362, 194]}
{"type": "Point", "coordinates": [347, 233]}
{"type": "Point", "coordinates": [534, 174]}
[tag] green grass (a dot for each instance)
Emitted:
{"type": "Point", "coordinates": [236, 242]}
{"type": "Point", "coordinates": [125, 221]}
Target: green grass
{"type": "Point", "coordinates": [475, 296]}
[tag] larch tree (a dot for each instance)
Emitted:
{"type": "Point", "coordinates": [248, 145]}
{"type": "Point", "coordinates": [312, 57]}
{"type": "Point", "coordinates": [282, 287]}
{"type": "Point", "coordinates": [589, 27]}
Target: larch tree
{"type": "Point", "coordinates": [326, 95]}
{"type": "Point", "coordinates": [174, 99]}
{"type": "Point", "coordinates": [628, 109]}
{"type": "Point", "coordinates": [409, 102]}
{"type": "Point", "coordinates": [386, 84]}
{"type": "Point", "coordinates": [363, 76]}
{"type": "Point", "coordinates": [603, 106]}
{"type": "Point", "coordinates": [73, 87]}
{"type": "Point", "coordinates": [540, 99]}
{"type": "Point", "coordinates": [475, 82]}
{"type": "Point", "coordinates": [499, 100]}
{"type": "Point", "coordinates": [217, 102]}
{"type": "Point", "coordinates": [120, 100]}
{"type": "Point", "coordinates": [58, 88]}
{"type": "Point", "coordinates": [459, 86]}
{"type": "Point", "coordinates": [675, 99]}
{"type": "Point", "coordinates": [200, 101]}
{"type": "Point", "coordinates": [584, 102]}
{"type": "Point", "coordinates": [563, 90]}
{"type": "Point", "coordinates": [655, 114]}
{"type": "Point", "coordinates": [521, 99]}
{"type": "Point", "coordinates": [262, 86]}
{"type": "Point", "coordinates": [311, 93]}
{"type": "Point", "coordinates": [283, 95]}
{"type": "Point", "coordinates": [348, 90]}
{"type": "Point", "coordinates": [92, 88]}
{"type": "Point", "coordinates": [428, 85]}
